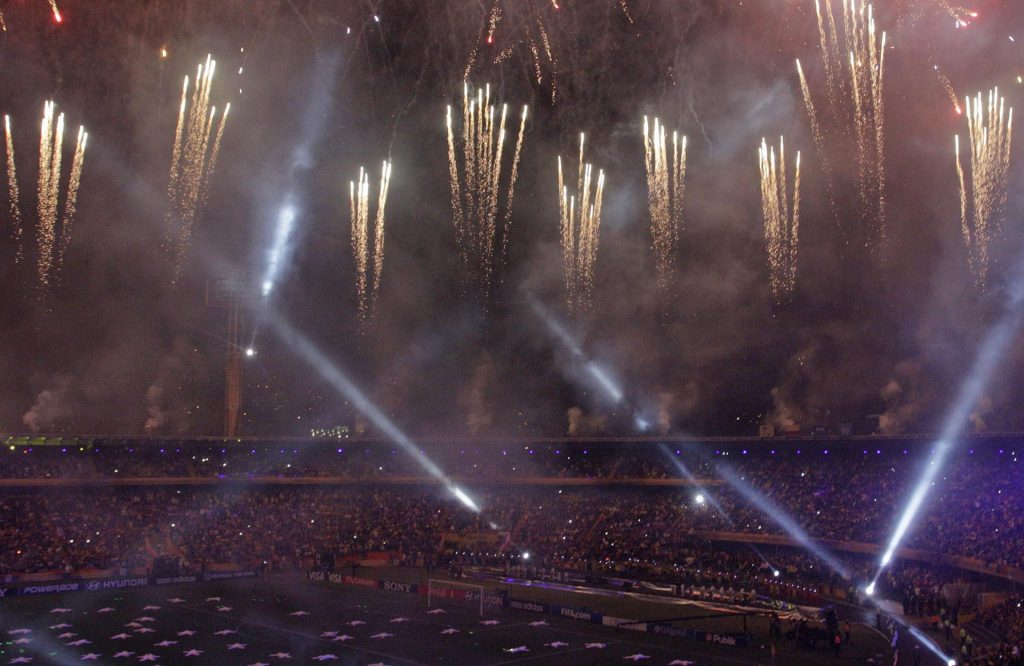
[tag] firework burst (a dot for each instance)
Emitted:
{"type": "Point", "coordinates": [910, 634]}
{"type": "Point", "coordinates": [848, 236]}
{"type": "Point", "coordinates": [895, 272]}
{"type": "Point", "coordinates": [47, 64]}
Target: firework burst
{"type": "Point", "coordinates": [51, 141]}
{"type": "Point", "coordinates": [13, 197]}
{"type": "Point", "coordinates": [71, 199]}
{"type": "Point", "coordinates": [781, 218]}
{"type": "Point", "coordinates": [666, 174]}
{"type": "Point", "coordinates": [369, 262]}
{"type": "Point", "coordinates": [853, 56]}
{"type": "Point", "coordinates": [479, 197]}
{"type": "Point", "coordinates": [192, 159]}
{"type": "Point", "coordinates": [580, 226]}
{"type": "Point", "coordinates": [983, 194]}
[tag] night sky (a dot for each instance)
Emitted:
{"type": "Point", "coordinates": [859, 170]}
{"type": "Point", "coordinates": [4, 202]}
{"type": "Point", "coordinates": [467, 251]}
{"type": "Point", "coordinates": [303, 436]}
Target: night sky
{"type": "Point", "coordinates": [879, 338]}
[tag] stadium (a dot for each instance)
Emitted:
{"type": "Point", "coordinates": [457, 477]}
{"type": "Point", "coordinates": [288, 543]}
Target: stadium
{"type": "Point", "coordinates": [384, 332]}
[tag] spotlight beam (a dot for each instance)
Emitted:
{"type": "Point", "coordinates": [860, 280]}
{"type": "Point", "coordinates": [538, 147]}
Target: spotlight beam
{"type": "Point", "coordinates": [284, 237]}
{"type": "Point", "coordinates": [600, 377]}
{"type": "Point", "coordinates": [930, 645]}
{"type": "Point", "coordinates": [685, 471]}
{"type": "Point", "coordinates": [279, 249]}
{"type": "Point", "coordinates": [336, 378]}
{"type": "Point", "coordinates": [782, 519]}
{"type": "Point", "coordinates": [990, 353]}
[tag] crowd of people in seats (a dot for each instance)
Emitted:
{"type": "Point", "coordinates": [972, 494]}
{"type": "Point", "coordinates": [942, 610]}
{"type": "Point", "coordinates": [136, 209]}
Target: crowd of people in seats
{"type": "Point", "coordinates": [594, 510]}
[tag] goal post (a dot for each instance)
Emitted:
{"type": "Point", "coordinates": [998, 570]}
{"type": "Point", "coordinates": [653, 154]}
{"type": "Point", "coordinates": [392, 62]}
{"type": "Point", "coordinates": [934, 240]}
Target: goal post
{"type": "Point", "coordinates": [438, 588]}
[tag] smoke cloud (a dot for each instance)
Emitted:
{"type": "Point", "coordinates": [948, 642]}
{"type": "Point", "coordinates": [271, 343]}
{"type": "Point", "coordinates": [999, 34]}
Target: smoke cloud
{"type": "Point", "coordinates": [53, 405]}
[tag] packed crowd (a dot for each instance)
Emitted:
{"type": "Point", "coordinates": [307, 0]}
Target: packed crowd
{"type": "Point", "coordinates": [848, 494]}
{"type": "Point", "coordinates": [1006, 620]}
{"type": "Point", "coordinates": [592, 511]}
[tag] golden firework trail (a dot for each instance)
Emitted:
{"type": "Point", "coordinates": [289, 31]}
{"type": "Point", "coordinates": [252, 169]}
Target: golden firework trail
{"type": "Point", "coordinates": [369, 262]}
{"type": "Point", "coordinates": [13, 197]}
{"type": "Point", "coordinates": [214, 154]}
{"type": "Point", "coordinates": [493, 21]}
{"type": "Point", "coordinates": [983, 195]}
{"type": "Point", "coordinates": [51, 140]}
{"type": "Point", "coordinates": [853, 54]}
{"type": "Point", "coordinates": [3, 23]}
{"type": "Point", "coordinates": [580, 226]}
{"type": "Point", "coordinates": [666, 175]}
{"type": "Point", "coordinates": [71, 198]}
{"type": "Point", "coordinates": [192, 159]}
{"type": "Point", "coordinates": [812, 116]}
{"type": "Point", "coordinates": [511, 26]}
{"type": "Point", "coordinates": [51, 136]}
{"type": "Point", "coordinates": [56, 11]}
{"type": "Point", "coordinates": [948, 87]}
{"type": "Point", "coordinates": [475, 162]}
{"type": "Point", "coordinates": [781, 219]}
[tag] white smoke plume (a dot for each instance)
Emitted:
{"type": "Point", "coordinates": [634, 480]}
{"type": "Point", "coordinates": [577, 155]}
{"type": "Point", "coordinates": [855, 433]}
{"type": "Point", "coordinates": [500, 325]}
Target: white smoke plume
{"type": "Point", "coordinates": [53, 404]}
{"type": "Point", "coordinates": [981, 410]}
{"type": "Point", "coordinates": [581, 423]}
{"type": "Point", "coordinates": [162, 400]}
{"type": "Point", "coordinates": [475, 397]}
{"type": "Point", "coordinates": [903, 398]}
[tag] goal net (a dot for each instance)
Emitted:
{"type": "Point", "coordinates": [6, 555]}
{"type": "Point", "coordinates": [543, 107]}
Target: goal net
{"type": "Point", "coordinates": [449, 592]}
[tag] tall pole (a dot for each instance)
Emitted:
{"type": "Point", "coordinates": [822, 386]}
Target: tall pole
{"type": "Point", "coordinates": [233, 371]}
{"type": "Point", "coordinates": [225, 293]}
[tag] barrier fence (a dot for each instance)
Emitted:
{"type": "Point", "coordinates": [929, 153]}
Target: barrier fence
{"type": "Point", "coordinates": [506, 601]}
{"type": "Point", "coordinates": [101, 584]}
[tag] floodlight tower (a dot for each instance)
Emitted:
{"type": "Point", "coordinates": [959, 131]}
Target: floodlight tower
{"type": "Point", "coordinates": [226, 293]}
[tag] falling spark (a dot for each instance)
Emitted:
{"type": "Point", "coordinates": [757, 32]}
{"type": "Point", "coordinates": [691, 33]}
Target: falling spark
{"type": "Point", "coordinates": [781, 224]}
{"type": "Point", "coordinates": [854, 63]}
{"type": "Point", "coordinates": [476, 184]}
{"type": "Point", "coordinates": [525, 33]}
{"type": "Point", "coordinates": [493, 21]}
{"type": "Point", "coordinates": [192, 160]}
{"type": "Point", "coordinates": [71, 199]}
{"type": "Point", "coordinates": [56, 12]}
{"type": "Point", "coordinates": [367, 281]}
{"type": "Point", "coordinates": [3, 24]}
{"type": "Point", "coordinates": [625, 11]}
{"type": "Point", "coordinates": [580, 225]}
{"type": "Point", "coordinates": [983, 195]}
{"type": "Point", "coordinates": [13, 201]}
{"type": "Point", "coordinates": [666, 174]}
{"type": "Point", "coordinates": [948, 87]}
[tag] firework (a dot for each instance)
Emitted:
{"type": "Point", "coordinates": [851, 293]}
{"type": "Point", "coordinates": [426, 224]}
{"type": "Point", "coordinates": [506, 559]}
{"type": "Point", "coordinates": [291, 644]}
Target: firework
{"type": "Point", "coordinates": [367, 280]}
{"type": "Point", "coordinates": [13, 198]}
{"type": "Point", "coordinates": [71, 198]}
{"type": "Point", "coordinates": [51, 140]}
{"type": "Point", "coordinates": [948, 87]}
{"type": "Point", "coordinates": [192, 159]}
{"type": "Point", "coordinates": [214, 154]}
{"type": "Point", "coordinates": [56, 11]}
{"type": "Point", "coordinates": [812, 116]}
{"type": "Point", "coordinates": [51, 136]}
{"type": "Point", "coordinates": [853, 55]}
{"type": "Point", "coordinates": [983, 195]}
{"type": "Point", "coordinates": [525, 32]}
{"type": "Point", "coordinates": [666, 174]}
{"type": "Point", "coordinates": [781, 219]}
{"type": "Point", "coordinates": [474, 169]}
{"type": "Point", "coordinates": [580, 225]}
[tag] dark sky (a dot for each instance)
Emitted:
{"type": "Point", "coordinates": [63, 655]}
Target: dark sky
{"type": "Point", "coordinates": [326, 88]}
